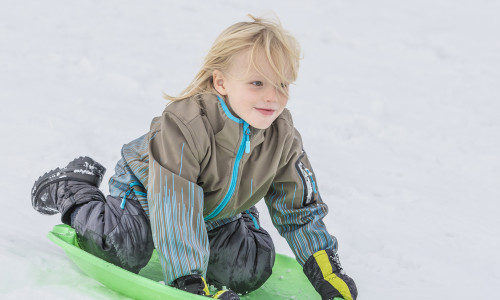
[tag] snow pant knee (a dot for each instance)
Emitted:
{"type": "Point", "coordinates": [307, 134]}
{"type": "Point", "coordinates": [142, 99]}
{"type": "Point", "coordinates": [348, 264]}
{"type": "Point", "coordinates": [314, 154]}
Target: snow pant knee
{"type": "Point", "coordinates": [241, 256]}
{"type": "Point", "coordinates": [120, 236]}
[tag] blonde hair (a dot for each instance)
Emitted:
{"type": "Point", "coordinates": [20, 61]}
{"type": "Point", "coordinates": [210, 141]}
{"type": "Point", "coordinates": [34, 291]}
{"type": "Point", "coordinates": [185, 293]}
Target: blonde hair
{"type": "Point", "coordinates": [261, 36]}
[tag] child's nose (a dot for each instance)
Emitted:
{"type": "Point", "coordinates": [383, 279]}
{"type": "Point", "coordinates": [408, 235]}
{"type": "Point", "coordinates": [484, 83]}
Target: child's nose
{"type": "Point", "coordinates": [271, 95]}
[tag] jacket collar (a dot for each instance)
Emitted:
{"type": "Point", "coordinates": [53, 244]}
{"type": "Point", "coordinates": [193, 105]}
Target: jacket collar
{"type": "Point", "coordinates": [228, 112]}
{"type": "Point", "coordinates": [230, 133]}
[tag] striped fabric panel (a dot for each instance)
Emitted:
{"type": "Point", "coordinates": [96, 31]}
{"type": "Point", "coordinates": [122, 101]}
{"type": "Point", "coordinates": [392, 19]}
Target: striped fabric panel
{"type": "Point", "coordinates": [217, 223]}
{"type": "Point", "coordinates": [303, 228]}
{"type": "Point", "coordinates": [132, 167]}
{"type": "Point", "coordinates": [179, 232]}
{"type": "Point", "coordinates": [119, 182]}
{"type": "Point", "coordinates": [137, 156]}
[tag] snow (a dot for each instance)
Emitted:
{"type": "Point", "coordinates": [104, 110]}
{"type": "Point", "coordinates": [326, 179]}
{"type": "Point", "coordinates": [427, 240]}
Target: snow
{"type": "Point", "coordinates": [397, 103]}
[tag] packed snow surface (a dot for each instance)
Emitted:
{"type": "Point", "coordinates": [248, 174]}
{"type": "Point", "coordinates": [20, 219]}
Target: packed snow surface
{"type": "Point", "coordinates": [397, 103]}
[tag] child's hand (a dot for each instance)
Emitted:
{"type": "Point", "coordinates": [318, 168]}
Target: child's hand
{"type": "Point", "coordinates": [327, 276]}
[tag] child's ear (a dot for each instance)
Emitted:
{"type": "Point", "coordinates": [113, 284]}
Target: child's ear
{"type": "Point", "coordinates": [218, 79]}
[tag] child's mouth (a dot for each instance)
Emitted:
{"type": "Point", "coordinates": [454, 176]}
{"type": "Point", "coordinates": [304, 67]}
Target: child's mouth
{"type": "Point", "coordinates": [266, 112]}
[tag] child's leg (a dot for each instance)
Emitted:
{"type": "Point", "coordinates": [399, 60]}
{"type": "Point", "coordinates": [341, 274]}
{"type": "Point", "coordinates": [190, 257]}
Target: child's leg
{"type": "Point", "coordinates": [120, 236]}
{"type": "Point", "coordinates": [241, 254]}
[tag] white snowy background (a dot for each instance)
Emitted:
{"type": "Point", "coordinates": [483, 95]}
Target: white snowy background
{"type": "Point", "coordinates": [397, 102]}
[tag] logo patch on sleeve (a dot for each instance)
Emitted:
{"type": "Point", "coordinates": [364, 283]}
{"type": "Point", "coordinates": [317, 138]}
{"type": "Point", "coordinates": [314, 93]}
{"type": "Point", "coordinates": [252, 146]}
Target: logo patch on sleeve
{"type": "Point", "coordinates": [307, 180]}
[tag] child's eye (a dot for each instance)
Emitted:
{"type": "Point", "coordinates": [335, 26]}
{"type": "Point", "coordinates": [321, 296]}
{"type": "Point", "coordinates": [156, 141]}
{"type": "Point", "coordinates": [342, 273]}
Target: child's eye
{"type": "Point", "coordinates": [284, 85]}
{"type": "Point", "coordinates": [257, 83]}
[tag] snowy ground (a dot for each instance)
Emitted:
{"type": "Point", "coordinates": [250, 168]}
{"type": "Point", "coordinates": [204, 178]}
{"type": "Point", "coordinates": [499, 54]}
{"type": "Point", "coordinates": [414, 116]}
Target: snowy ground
{"type": "Point", "coordinates": [397, 101]}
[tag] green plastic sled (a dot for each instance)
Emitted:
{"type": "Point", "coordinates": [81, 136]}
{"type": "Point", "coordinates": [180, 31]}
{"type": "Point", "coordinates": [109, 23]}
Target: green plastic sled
{"type": "Point", "coordinates": [287, 281]}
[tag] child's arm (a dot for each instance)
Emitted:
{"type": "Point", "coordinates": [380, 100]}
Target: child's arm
{"type": "Point", "coordinates": [175, 201]}
{"type": "Point", "coordinates": [295, 204]}
{"type": "Point", "coordinates": [297, 212]}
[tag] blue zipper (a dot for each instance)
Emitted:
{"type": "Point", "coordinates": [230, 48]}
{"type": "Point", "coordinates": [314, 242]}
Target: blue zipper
{"type": "Point", "coordinates": [243, 148]}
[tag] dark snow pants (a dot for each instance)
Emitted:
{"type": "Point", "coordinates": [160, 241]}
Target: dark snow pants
{"type": "Point", "coordinates": [241, 253]}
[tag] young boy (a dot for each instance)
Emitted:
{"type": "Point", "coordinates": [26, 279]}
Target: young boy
{"type": "Point", "coordinates": [188, 187]}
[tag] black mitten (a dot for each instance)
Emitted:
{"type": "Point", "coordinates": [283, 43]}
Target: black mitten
{"type": "Point", "coordinates": [327, 276]}
{"type": "Point", "coordinates": [196, 284]}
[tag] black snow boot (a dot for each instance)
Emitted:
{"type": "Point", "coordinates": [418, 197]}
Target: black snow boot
{"type": "Point", "coordinates": [46, 195]}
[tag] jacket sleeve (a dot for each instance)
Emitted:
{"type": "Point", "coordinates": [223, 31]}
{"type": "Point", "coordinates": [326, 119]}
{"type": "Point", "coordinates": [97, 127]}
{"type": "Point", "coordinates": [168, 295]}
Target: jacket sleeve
{"type": "Point", "coordinates": [175, 201]}
{"type": "Point", "coordinates": [295, 204]}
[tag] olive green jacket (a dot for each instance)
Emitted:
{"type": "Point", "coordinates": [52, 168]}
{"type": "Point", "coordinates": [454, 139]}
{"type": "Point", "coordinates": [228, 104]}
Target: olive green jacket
{"type": "Point", "coordinates": [200, 166]}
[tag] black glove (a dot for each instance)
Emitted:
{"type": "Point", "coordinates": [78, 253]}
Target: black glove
{"type": "Point", "coordinates": [327, 276]}
{"type": "Point", "coordinates": [196, 284]}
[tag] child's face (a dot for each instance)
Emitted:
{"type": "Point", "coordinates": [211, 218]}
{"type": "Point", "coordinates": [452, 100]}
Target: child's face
{"type": "Point", "coordinates": [252, 96]}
